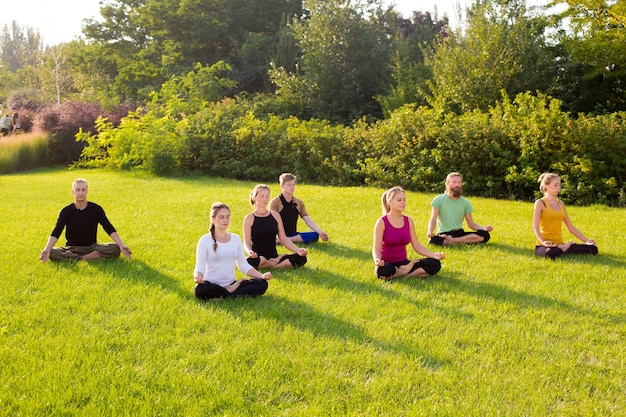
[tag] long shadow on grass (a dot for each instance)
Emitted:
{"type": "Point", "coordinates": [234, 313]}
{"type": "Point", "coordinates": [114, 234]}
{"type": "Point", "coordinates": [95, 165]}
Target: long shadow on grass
{"type": "Point", "coordinates": [600, 259]}
{"type": "Point", "coordinates": [490, 246]}
{"type": "Point", "coordinates": [289, 313]}
{"type": "Point", "coordinates": [366, 283]}
{"type": "Point", "coordinates": [505, 248]}
{"type": "Point", "coordinates": [135, 270]}
{"type": "Point", "coordinates": [456, 282]}
{"type": "Point", "coordinates": [340, 251]}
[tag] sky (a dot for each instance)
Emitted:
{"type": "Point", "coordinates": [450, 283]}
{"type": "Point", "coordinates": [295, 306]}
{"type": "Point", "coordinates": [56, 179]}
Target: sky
{"type": "Point", "coordinates": [62, 20]}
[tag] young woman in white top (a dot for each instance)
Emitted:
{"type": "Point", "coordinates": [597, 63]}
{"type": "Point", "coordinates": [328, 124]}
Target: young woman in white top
{"type": "Point", "coordinates": [216, 255]}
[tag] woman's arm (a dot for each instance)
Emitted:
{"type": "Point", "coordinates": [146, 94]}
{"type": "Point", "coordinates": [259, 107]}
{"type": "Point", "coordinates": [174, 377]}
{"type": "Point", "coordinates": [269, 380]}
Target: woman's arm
{"type": "Point", "coordinates": [539, 208]}
{"type": "Point", "coordinates": [198, 277]}
{"type": "Point", "coordinates": [284, 240]}
{"type": "Point", "coordinates": [201, 259]}
{"type": "Point", "coordinates": [379, 230]}
{"type": "Point", "coordinates": [247, 235]}
{"type": "Point", "coordinates": [574, 231]}
{"type": "Point", "coordinates": [244, 266]}
{"type": "Point", "coordinates": [418, 247]}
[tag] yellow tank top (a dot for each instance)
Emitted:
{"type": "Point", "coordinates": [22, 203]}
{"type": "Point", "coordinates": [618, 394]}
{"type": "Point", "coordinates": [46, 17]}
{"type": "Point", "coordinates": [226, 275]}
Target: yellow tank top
{"type": "Point", "coordinates": [551, 222]}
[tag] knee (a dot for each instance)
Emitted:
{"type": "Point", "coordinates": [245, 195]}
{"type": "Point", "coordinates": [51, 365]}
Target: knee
{"type": "Point", "coordinates": [485, 235]}
{"type": "Point", "coordinates": [205, 292]}
{"type": "Point", "coordinates": [254, 262]}
{"type": "Point", "coordinates": [297, 260]}
{"type": "Point", "coordinates": [431, 266]}
{"type": "Point", "coordinates": [554, 253]}
{"type": "Point", "coordinates": [436, 240]}
{"type": "Point", "coordinates": [385, 271]}
{"type": "Point", "coordinates": [309, 237]}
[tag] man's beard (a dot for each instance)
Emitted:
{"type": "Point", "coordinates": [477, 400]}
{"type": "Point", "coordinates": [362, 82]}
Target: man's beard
{"type": "Point", "coordinates": [456, 192]}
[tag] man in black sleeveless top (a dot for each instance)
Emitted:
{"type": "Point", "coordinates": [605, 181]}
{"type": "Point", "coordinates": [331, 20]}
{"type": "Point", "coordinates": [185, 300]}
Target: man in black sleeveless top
{"type": "Point", "coordinates": [290, 208]}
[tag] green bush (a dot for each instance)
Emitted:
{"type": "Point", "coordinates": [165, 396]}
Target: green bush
{"type": "Point", "coordinates": [500, 152]}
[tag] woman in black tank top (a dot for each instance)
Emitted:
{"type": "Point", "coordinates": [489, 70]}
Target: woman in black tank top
{"type": "Point", "coordinates": [260, 229]}
{"type": "Point", "coordinates": [264, 232]}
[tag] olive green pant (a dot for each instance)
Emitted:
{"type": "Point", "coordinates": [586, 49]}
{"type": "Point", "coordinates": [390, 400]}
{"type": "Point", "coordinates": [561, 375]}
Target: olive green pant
{"type": "Point", "coordinates": [75, 253]}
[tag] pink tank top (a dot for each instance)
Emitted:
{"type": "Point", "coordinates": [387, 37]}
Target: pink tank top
{"type": "Point", "coordinates": [395, 241]}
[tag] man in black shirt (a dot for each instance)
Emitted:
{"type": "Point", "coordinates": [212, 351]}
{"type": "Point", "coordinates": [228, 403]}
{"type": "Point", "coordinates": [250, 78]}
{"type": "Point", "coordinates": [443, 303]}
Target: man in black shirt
{"type": "Point", "coordinates": [80, 221]}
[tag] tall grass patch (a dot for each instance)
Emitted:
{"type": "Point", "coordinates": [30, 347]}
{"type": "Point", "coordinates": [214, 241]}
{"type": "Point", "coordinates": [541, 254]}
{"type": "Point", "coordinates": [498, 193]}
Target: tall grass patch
{"type": "Point", "coordinates": [22, 152]}
{"type": "Point", "coordinates": [497, 332]}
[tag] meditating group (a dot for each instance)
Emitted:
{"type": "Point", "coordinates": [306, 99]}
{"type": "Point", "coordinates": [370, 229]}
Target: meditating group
{"type": "Point", "coordinates": [218, 251]}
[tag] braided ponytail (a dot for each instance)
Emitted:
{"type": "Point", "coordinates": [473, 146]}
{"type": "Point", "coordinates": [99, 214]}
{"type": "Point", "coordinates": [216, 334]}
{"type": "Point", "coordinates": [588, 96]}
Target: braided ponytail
{"type": "Point", "coordinates": [212, 230]}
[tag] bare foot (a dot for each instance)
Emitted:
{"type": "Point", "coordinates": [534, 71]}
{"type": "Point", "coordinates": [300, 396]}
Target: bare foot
{"type": "Point", "coordinates": [233, 287]}
{"type": "Point", "coordinates": [448, 240]}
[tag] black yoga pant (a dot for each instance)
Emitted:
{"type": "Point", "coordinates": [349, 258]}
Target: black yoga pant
{"type": "Point", "coordinates": [438, 240]}
{"type": "Point", "coordinates": [249, 287]}
{"type": "Point", "coordinates": [575, 249]}
{"type": "Point", "coordinates": [295, 260]}
{"type": "Point", "coordinates": [430, 265]}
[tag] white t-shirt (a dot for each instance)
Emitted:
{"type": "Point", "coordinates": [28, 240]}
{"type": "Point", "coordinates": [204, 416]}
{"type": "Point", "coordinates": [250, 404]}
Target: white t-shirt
{"type": "Point", "coordinates": [218, 267]}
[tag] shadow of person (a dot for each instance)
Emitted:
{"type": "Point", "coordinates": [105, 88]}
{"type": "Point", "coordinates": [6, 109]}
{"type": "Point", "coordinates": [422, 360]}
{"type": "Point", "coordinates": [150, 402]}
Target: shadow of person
{"type": "Point", "coordinates": [340, 251]}
{"type": "Point", "coordinates": [459, 282]}
{"type": "Point", "coordinates": [514, 250]}
{"type": "Point", "coordinates": [286, 312]}
{"type": "Point", "coordinates": [136, 270]}
{"type": "Point", "coordinates": [610, 260]}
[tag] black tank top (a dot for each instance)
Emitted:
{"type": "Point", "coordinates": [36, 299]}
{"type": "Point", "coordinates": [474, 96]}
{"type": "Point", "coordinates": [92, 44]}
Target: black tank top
{"type": "Point", "coordinates": [289, 214]}
{"type": "Point", "coordinates": [264, 231]}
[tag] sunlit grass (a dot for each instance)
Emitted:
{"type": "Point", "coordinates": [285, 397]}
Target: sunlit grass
{"type": "Point", "coordinates": [497, 332]}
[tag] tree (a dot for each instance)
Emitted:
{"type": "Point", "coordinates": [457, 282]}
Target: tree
{"type": "Point", "coordinates": [142, 43]}
{"type": "Point", "coordinates": [21, 56]}
{"type": "Point", "coordinates": [344, 62]}
{"type": "Point", "coordinates": [410, 74]}
{"type": "Point", "coordinates": [502, 49]}
{"type": "Point", "coordinates": [20, 47]}
{"type": "Point", "coordinates": [592, 76]}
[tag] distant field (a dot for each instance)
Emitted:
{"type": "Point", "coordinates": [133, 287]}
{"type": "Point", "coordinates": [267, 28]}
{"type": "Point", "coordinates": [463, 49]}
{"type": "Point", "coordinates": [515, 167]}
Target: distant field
{"type": "Point", "coordinates": [497, 332]}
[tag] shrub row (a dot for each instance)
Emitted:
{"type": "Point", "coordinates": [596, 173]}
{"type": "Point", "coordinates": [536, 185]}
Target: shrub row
{"type": "Point", "coordinates": [61, 123]}
{"type": "Point", "coordinates": [500, 153]}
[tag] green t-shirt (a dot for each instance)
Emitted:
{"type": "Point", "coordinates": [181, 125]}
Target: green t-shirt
{"type": "Point", "coordinates": [451, 212]}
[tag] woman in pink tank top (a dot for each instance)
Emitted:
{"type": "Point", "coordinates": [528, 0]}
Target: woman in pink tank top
{"type": "Point", "coordinates": [392, 233]}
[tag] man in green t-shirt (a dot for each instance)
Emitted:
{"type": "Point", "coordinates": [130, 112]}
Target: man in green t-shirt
{"type": "Point", "coordinates": [448, 212]}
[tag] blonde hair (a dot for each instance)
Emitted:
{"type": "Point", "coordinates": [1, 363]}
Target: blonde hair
{"type": "Point", "coordinates": [215, 208]}
{"type": "Point", "coordinates": [285, 177]}
{"type": "Point", "coordinates": [81, 180]}
{"type": "Point", "coordinates": [389, 195]}
{"type": "Point", "coordinates": [452, 175]}
{"type": "Point", "coordinates": [545, 179]}
{"type": "Point", "coordinates": [255, 192]}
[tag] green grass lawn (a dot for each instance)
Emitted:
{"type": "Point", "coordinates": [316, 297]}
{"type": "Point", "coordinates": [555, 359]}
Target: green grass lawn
{"type": "Point", "coordinates": [497, 332]}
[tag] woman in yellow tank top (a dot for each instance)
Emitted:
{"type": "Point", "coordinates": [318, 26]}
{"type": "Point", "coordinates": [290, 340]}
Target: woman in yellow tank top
{"type": "Point", "coordinates": [548, 217]}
